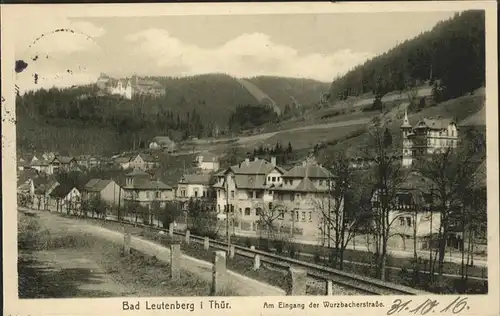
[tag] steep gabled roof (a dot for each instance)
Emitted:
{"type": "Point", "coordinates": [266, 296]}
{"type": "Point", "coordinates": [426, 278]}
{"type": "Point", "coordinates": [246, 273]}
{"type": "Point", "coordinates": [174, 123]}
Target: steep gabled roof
{"type": "Point", "coordinates": [437, 124]}
{"type": "Point", "coordinates": [258, 166]}
{"type": "Point", "coordinates": [309, 170]}
{"type": "Point", "coordinates": [96, 185]}
{"type": "Point", "coordinates": [62, 190]}
{"type": "Point", "coordinates": [306, 185]}
{"type": "Point", "coordinates": [64, 159]}
{"type": "Point", "coordinates": [146, 184]}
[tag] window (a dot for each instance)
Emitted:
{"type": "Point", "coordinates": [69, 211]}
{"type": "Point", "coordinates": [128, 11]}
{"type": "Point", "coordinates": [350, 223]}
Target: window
{"type": "Point", "coordinates": [232, 208]}
{"type": "Point", "coordinates": [269, 178]}
{"type": "Point", "coordinates": [293, 215]}
{"type": "Point", "coordinates": [303, 216]}
{"type": "Point", "coordinates": [270, 205]}
{"type": "Point", "coordinates": [158, 194]}
{"type": "Point", "coordinates": [281, 215]}
{"type": "Point", "coordinates": [247, 211]}
{"type": "Point", "coordinates": [258, 211]}
{"type": "Point", "coordinates": [401, 221]}
{"type": "Point", "coordinates": [292, 197]}
{"type": "Point", "coordinates": [232, 194]}
{"type": "Point", "coordinates": [297, 216]}
{"type": "Point", "coordinates": [408, 221]}
{"type": "Point", "coordinates": [310, 217]}
{"type": "Point", "coordinates": [320, 182]}
{"type": "Point", "coordinates": [196, 193]}
{"type": "Point", "coordinates": [274, 179]}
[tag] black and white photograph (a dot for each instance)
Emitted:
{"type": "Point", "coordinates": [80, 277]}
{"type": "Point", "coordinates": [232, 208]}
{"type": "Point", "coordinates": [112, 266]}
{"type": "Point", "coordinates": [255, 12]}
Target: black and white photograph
{"type": "Point", "coordinates": [240, 155]}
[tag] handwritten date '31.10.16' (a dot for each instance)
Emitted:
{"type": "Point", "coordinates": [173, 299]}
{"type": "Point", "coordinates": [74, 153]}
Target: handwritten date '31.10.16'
{"type": "Point", "coordinates": [428, 307]}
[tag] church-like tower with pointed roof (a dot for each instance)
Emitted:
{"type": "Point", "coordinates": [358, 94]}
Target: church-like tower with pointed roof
{"type": "Point", "coordinates": [407, 152]}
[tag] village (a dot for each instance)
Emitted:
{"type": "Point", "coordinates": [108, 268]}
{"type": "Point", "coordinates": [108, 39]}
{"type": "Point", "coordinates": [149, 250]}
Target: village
{"type": "Point", "coordinates": [249, 197]}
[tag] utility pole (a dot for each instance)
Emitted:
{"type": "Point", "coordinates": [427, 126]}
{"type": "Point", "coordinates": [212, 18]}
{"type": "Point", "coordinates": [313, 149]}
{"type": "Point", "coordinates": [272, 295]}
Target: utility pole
{"type": "Point", "coordinates": [329, 210]}
{"type": "Point", "coordinates": [228, 237]}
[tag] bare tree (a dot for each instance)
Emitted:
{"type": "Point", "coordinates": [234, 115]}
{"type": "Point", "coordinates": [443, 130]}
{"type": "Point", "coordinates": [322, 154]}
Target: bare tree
{"type": "Point", "coordinates": [452, 174]}
{"type": "Point", "coordinates": [386, 177]}
{"type": "Point", "coordinates": [334, 213]}
{"type": "Point", "coordinates": [269, 223]}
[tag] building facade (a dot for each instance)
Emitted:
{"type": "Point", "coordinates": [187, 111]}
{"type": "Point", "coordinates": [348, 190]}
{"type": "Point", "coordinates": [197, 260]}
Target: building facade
{"type": "Point", "coordinates": [428, 136]}
{"type": "Point", "coordinates": [207, 162]}
{"type": "Point", "coordinates": [130, 87]}
{"type": "Point", "coordinates": [105, 190]}
{"type": "Point", "coordinates": [141, 189]}
{"type": "Point", "coordinates": [257, 192]}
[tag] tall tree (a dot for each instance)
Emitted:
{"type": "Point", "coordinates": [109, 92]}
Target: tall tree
{"type": "Point", "coordinates": [338, 215]}
{"type": "Point", "coordinates": [452, 172]}
{"type": "Point", "coordinates": [386, 177]}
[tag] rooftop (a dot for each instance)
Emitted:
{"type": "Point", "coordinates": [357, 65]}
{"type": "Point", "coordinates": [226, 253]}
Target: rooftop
{"type": "Point", "coordinates": [146, 184]}
{"type": "Point", "coordinates": [96, 185]}
{"type": "Point", "coordinates": [308, 170]}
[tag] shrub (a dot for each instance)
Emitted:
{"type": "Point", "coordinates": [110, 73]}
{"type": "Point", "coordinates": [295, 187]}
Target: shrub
{"type": "Point", "coordinates": [263, 244]}
{"type": "Point", "coordinates": [247, 242]}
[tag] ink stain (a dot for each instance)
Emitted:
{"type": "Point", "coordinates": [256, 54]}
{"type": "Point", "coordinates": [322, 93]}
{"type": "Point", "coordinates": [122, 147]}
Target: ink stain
{"type": "Point", "coordinates": [20, 66]}
{"type": "Point", "coordinates": [35, 78]}
{"type": "Point", "coordinates": [69, 71]}
{"type": "Point", "coordinates": [35, 58]}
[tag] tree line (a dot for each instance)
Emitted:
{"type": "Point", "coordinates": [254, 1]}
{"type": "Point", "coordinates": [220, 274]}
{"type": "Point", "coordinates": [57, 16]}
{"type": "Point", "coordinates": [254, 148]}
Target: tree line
{"type": "Point", "coordinates": [450, 57]}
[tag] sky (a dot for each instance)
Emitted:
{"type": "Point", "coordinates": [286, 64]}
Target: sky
{"type": "Point", "coordinates": [315, 46]}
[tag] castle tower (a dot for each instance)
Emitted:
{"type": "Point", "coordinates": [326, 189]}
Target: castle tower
{"type": "Point", "coordinates": [407, 144]}
{"type": "Point", "coordinates": [128, 90]}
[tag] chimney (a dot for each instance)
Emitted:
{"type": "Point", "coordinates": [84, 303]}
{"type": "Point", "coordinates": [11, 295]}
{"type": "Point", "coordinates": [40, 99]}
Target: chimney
{"type": "Point", "coordinates": [273, 161]}
{"type": "Point", "coordinates": [247, 161]}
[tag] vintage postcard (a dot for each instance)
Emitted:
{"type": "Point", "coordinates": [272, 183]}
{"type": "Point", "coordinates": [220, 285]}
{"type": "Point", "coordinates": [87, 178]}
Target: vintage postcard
{"type": "Point", "coordinates": [250, 159]}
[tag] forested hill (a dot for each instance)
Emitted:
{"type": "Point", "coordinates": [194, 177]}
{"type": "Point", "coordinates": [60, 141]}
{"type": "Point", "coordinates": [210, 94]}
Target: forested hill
{"type": "Point", "coordinates": [291, 91]}
{"type": "Point", "coordinates": [451, 57]}
{"type": "Point", "coordinates": [197, 106]}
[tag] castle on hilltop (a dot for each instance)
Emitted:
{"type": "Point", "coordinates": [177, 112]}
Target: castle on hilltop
{"type": "Point", "coordinates": [129, 87]}
{"type": "Point", "coordinates": [428, 136]}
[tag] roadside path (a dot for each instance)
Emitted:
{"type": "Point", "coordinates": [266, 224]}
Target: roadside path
{"type": "Point", "coordinates": [242, 285]}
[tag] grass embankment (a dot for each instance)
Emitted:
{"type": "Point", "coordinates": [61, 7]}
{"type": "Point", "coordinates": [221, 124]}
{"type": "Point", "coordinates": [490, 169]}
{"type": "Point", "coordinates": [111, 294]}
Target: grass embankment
{"type": "Point", "coordinates": [361, 263]}
{"type": "Point", "coordinates": [48, 268]}
{"type": "Point", "coordinates": [238, 264]}
{"type": "Point", "coordinates": [400, 270]}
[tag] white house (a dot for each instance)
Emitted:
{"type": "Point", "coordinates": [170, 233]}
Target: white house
{"type": "Point", "coordinates": [207, 162]}
{"type": "Point", "coordinates": [428, 136]}
{"type": "Point", "coordinates": [194, 186]}
{"type": "Point", "coordinates": [105, 190]}
{"type": "Point", "coordinates": [163, 142]}
{"type": "Point", "coordinates": [66, 197]}
{"type": "Point", "coordinates": [253, 187]}
{"type": "Point", "coordinates": [140, 188]}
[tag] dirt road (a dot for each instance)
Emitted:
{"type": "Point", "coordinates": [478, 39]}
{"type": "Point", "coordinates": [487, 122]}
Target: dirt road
{"type": "Point", "coordinates": [238, 283]}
